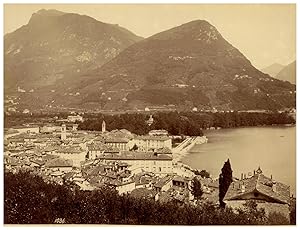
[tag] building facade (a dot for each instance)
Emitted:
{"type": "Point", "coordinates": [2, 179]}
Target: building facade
{"type": "Point", "coordinates": [268, 194]}
{"type": "Point", "coordinates": [75, 118]}
{"type": "Point", "coordinates": [119, 143]}
{"type": "Point", "coordinates": [152, 143]}
{"type": "Point", "coordinates": [146, 161]}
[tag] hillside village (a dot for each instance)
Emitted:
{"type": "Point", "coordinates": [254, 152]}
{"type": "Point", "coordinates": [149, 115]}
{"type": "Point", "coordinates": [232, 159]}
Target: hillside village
{"type": "Point", "coordinates": [144, 166]}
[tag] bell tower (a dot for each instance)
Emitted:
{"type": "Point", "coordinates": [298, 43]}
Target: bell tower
{"type": "Point", "coordinates": [103, 126]}
{"type": "Point", "coordinates": [259, 171]}
{"type": "Point", "coordinates": [63, 135]}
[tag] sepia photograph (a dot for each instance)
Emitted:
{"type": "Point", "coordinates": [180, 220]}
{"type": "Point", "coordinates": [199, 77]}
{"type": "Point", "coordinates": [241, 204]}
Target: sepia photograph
{"type": "Point", "coordinates": [149, 114]}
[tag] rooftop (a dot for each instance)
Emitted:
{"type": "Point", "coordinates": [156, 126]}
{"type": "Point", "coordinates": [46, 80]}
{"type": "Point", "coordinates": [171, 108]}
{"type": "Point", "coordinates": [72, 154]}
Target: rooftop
{"type": "Point", "coordinates": [99, 147]}
{"type": "Point", "coordinates": [39, 162]}
{"type": "Point", "coordinates": [71, 150]}
{"type": "Point", "coordinates": [163, 181]}
{"type": "Point", "coordinates": [127, 155]}
{"type": "Point", "coordinates": [154, 138]}
{"type": "Point", "coordinates": [49, 157]}
{"type": "Point", "coordinates": [261, 184]}
{"type": "Point", "coordinates": [180, 179]}
{"type": "Point", "coordinates": [164, 150]}
{"type": "Point", "coordinates": [59, 162]}
{"type": "Point", "coordinates": [116, 140]}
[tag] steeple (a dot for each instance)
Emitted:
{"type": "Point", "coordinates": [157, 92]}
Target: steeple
{"type": "Point", "coordinates": [63, 135]}
{"type": "Point", "coordinates": [259, 171]}
{"type": "Point", "coordinates": [103, 126]}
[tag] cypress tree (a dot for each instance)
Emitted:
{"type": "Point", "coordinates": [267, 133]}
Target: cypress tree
{"type": "Point", "coordinates": [196, 188]}
{"type": "Point", "coordinates": [225, 180]}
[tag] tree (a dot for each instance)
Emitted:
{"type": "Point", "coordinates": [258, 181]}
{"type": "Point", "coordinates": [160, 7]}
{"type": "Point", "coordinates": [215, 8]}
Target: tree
{"type": "Point", "coordinates": [276, 218]}
{"type": "Point", "coordinates": [293, 211]}
{"type": "Point", "coordinates": [225, 180]}
{"type": "Point", "coordinates": [203, 173]}
{"type": "Point", "coordinates": [196, 188]}
{"type": "Point", "coordinates": [251, 209]}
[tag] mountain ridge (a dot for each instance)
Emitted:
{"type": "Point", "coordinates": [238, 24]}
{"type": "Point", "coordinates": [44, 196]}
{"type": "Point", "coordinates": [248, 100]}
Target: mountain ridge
{"type": "Point", "coordinates": [273, 69]}
{"type": "Point", "coordinates": [288, 73]}
{"type": "Point", "coordinates": [193, 57]}
{"type": "Point", "coordinates": [70, 42]}
{"type": "Point", "coordinates": [187, 66]}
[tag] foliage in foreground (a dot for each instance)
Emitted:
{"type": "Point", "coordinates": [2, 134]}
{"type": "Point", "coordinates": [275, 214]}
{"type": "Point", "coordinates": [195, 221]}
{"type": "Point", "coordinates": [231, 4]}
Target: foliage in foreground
{"type": "Point", "coordinates": [29, 200]}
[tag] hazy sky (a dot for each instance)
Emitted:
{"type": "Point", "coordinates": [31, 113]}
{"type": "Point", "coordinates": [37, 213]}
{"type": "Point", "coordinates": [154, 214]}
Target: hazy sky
{"type": "Point", "coordinates": [265, 34]}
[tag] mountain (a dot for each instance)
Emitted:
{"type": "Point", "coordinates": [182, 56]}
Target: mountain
{"type": "Point", "coordinates": [57, 47]}
{"type": "Point", "coordinates": [288, 73]}
{"type": "Point", "coordinates": [273, 69]}
{"type": "Point", "coordinates": [186, 66]}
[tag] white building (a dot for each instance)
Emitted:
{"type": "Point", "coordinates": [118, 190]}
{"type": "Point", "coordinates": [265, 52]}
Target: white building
{"type": "Point", "coordinates": [95, 150]}
{"type": "Point", "coordinates": [150, 143]}
{"type": "Point", "coordinates": [75, 118]}
{"type": "Point", "coordinates": [125, 187]}
{"type": "Point", "coordinates": [119, 143]}
{"type": "Point", "coordinates": [147, 161]}
{"type": "Point", "coordinates": [158, 132]}
{"type": "Point", "coordinates": [48, 128]}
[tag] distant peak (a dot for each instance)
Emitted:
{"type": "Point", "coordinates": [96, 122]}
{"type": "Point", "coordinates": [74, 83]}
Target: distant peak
{"type": "Point", "coordinates": [198, 22]}
{"type": "Point", "coordinates": [43, 13]}
{"type": "Point", "coordinates": [50, 12]}
{"type": "Point", "coordinates": [199, 30]}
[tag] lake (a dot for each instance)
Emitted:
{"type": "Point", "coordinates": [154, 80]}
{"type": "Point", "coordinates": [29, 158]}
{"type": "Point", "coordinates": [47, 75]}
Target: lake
{"type": "Point", "coordinates": [271, 148]}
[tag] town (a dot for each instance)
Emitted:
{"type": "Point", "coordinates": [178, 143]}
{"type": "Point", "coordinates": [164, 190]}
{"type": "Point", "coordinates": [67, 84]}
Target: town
{"type": "Point", "coordinates": [144, 166]}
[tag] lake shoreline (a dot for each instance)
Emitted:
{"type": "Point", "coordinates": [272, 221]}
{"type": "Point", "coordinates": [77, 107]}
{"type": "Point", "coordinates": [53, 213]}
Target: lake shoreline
{"type": "Point", "coordinates": [256, 126]}
{"type": "Point", "coordinates": [247, 148]}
